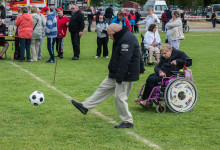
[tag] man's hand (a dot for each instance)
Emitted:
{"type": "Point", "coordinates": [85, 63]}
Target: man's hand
{"type": "Point", "coordinates": [162, 74]}
{"type": "Point", "coordinates": [173, 62]}
{"type": "Point", "coordinates": [80, 33]}
{"type": "Point", "coordinates": [100, 31]}
{"type": "Point", "coordinates": [67, 24]}
{"type": "Point", "coordinates": [155, 20]}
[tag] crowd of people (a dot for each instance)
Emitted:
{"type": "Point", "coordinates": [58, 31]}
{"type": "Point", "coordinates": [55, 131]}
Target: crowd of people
{"type": "Point", "coordinates": [32, 27]}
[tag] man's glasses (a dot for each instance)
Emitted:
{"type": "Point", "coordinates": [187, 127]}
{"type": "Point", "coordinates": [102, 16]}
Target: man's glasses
{"type": "Point", "coordinates": [72, 8]}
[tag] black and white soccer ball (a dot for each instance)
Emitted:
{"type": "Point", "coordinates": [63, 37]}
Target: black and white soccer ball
{"type": "Point", "coordinates": [36, 98]}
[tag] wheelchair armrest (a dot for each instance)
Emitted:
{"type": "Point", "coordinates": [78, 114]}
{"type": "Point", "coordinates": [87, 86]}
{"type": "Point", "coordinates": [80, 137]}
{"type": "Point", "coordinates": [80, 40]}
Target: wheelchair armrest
{"type": "Point", "coordinates": [178, 72]}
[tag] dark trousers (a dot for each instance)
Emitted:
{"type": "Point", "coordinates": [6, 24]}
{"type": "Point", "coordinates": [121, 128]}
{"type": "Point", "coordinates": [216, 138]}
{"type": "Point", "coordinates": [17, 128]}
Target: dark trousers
{"type": "Point", "coordinates": [17, 49]}
{"type": "Point", "coordinates": [76, 43]}
{"type": "Point", "coordinates": [59, 45]}
{"type": "Point", "coordinates": [25, 44]}
{"type": "Point", "coordinates": [163, 26]}
{"type": "Point", "coordinates": [102, 42]}
{"type": "Point", "coordinates": [136, 29]}
{"type": "Point", "coordinates": [213, 23]}
{"type": "Point", "coordinates": [50, 46]}
{"type": "Point", "coordinates": [89, 25]}
{"type": "Point", "coordinates": [151, 82]}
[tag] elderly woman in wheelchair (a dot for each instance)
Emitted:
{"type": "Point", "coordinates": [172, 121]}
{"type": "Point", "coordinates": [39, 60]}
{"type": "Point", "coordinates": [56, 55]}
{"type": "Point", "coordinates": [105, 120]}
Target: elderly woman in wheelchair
{"type": "Point", "coordinates": [168, 86]}
{"type": "Point", "coordinates": [152, 42]}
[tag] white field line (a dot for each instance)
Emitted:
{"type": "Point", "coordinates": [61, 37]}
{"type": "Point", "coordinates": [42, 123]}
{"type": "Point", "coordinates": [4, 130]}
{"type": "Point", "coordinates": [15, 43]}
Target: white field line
{"type": "Point", "coordinates": [131, 133]}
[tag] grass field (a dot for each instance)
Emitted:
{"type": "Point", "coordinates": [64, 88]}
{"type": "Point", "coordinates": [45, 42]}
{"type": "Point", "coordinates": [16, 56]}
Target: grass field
{"type": "Point", "coordinates": [56, 124]}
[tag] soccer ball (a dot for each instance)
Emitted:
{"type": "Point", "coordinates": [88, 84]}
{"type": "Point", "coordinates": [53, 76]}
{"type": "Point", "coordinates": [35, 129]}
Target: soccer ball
{"type": "Point", "coordinates": [36, 98]}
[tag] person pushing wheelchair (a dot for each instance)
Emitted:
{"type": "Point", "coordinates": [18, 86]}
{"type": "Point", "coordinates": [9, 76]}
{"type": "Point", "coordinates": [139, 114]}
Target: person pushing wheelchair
{"type": "Point", "coordinates": [171, 60]}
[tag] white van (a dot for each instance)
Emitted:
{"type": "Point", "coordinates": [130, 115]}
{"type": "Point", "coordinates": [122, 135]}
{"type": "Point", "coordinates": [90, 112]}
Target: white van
{"type": "Point", "coordinates": [158, 7]}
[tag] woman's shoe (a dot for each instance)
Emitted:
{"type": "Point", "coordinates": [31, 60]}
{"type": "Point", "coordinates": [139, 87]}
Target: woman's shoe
{"type": "Point", "coordinates": [138, 100]}
{"type": "Point", "coordinates": [146, 104]}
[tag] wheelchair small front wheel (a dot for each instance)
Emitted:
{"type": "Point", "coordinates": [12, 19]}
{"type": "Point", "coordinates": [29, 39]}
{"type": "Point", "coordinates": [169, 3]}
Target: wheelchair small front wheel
{"type": "Point", "coordinates": [161, 108]}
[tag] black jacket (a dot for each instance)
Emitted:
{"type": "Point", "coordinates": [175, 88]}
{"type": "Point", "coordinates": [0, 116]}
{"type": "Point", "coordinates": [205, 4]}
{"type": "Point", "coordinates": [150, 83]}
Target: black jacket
{"type": "Point", "coordinates": [90, 14]}
{"type": "Point", "coordinates": [165, 64]}
{"type": "Point", "coordinates": [109, 13]}
{"type": "Point", "coordinates": [2, 31]}
{"type": "Point", "coordinates": [126, 63]}
{"type": "Point", "coordinates": [137, 16]}
{"type": "Point", "coordinates": [3, 13]}
{"type": "Point", "coordinates": [76, 23]}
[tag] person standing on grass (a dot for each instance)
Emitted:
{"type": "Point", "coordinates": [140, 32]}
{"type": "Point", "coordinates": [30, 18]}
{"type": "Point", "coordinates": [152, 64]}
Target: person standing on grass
{"type": "Point", "coordinates": [51, 32]}
{"type": "Point", "coordinates": [102, 37]}
{"type": "Point", "coordinates": [37, 33]}
{"type": "Point", "coordinates": [131, 18]}
{"type": "Point", "coordinates": [124, 68]}
{"type": "Point", "coordinates": [150, 19]}
{"type": "Point", "coordinates": [175, 30]}
{"type": "Point", "coordinates": [43, 23]}
{"type": "Point", "coordinates": [109, 14]}
{"type": "Point", "coordinates": [90, 18]}
{"type": "Point", "coordinates": [164, 20]}
{"type": "Point", "coordinates": [76, 27]}
{"type": "Point", "coordinates": [213, 17]}
{"type": "Point", "coordinates": [17, 45]}
{"type": "Point", "coordinates": [137, 19]}
{"type": "Point", "coordinates": [169, 14]}
{"type": "Point", "coordinates": [62, 24]}
{"type": "Point", "coordinates": [122, 20]}
{"type": "Point", "coordinates": [25, 32]}
{"type": "Point", "coordinates": [2, 39]}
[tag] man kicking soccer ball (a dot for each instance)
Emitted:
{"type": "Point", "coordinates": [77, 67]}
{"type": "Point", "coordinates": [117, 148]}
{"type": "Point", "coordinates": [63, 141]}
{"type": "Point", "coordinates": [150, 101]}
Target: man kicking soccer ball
{"type": "Point", "coordinates": [124, 68]}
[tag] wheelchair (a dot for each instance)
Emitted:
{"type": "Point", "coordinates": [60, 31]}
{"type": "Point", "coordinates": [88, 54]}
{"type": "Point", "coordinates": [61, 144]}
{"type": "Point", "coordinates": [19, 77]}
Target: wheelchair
{"type": "Point", "coordinates": [145, 52]}
{"type": "Point", "coordinates": [176, 92]}
{"type": "Point", "coordinates": [185, 27]}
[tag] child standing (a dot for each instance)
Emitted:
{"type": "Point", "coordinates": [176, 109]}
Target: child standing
{"type": "Point", "coordinates": [51, 32]}
{"type": "Point", "coordinates": [102, 37]}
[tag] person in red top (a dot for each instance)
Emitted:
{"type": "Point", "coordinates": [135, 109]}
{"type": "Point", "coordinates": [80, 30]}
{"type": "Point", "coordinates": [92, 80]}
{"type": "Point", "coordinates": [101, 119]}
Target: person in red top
{"type": "Point", "coordinates": [164, 20]}
{"type": "Point", "coordinates": [131, 18]}
{"type": "Point", "coordinates": [62, 24]}
{"type": "Point", "coordinates": [121, 19]}
{"type": "Point", "coordinates": [25, 32]}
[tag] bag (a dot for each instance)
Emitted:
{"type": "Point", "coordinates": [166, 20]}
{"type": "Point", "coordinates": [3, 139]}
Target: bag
{"type": "Point", "coordinates": [188, 73]}
{"type": "Point", "coordinates": [35, 25]}
{"type": "Point", "coordinates": [166, 40]}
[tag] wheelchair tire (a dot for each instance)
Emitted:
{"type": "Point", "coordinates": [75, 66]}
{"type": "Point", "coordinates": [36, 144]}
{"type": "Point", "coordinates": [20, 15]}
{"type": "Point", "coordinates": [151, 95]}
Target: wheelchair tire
{"type": "Point", "coordinates": [181, 95]}
{"type": "Point", "coordinates": [161, 109]}
{"type": "Point", "coordinates": [186, 29]}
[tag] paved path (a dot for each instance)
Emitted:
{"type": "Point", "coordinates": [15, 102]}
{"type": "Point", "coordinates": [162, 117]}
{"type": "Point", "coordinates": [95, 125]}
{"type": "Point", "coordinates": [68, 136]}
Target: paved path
{"type": "Point", "coordinates": [205, 26]}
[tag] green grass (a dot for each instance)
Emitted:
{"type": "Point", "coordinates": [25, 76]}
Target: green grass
{"type": "Point", "coordinates": [56, 124]}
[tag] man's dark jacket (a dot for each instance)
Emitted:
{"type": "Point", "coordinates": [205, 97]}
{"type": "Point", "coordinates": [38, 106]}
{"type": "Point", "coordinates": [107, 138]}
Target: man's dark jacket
{"type": "Point", "coordinates": [109, 13]}
{"type": "Point", "coordinates": [165, 64]}
{"type": "Point", "coordinates": [126, 63]}
{"type": "Point", "coordinates": [90, 14]}
{"type": "Point", "coordinates": [76, 23]}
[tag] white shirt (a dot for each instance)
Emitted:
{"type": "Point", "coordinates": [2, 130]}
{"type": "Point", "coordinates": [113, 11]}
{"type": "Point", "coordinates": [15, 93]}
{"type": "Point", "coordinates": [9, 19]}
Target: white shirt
{"type": "Point", "coordinates": [149, 37]}
{"type": "Point", "coordinates": [150, 19]}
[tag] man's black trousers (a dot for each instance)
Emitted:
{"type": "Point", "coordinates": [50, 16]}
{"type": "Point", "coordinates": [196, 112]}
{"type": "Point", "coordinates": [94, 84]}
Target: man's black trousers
{"type": "Point", "coordinates": [76, 43]}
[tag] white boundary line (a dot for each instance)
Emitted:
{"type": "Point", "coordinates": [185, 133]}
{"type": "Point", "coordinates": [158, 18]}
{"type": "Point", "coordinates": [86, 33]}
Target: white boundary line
{"type": "Point", "coordinates": [131, 133]}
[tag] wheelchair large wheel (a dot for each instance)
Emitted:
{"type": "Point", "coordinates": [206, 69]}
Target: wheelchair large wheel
{"type": "Point", "coordinates": [181, 95]}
